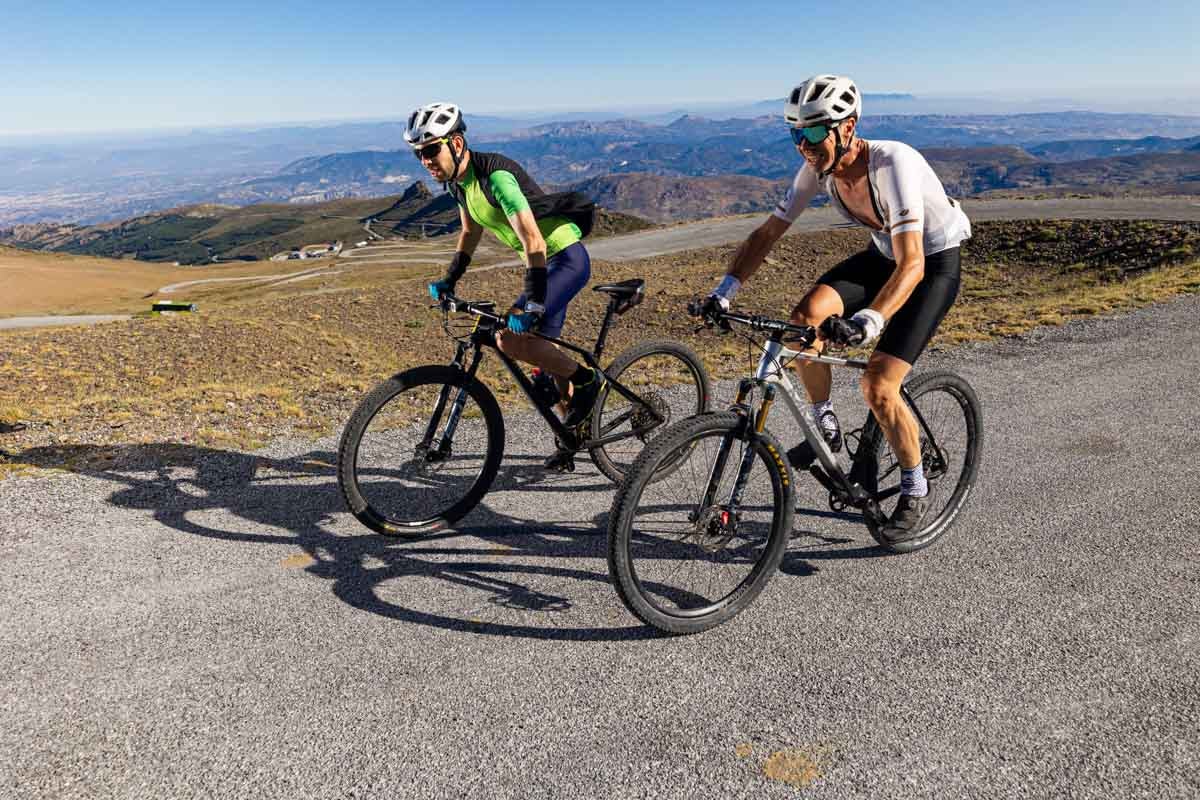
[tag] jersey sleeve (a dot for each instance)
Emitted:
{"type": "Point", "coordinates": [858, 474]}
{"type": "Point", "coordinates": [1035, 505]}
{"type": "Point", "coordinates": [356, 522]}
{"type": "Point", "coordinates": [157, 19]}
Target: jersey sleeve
{"type": "Point", "coordinates": [799, 195]}
{"type": "Point", "coordinates": [901, 186]}
{"type": "Point", "coordinates": [508, 193]}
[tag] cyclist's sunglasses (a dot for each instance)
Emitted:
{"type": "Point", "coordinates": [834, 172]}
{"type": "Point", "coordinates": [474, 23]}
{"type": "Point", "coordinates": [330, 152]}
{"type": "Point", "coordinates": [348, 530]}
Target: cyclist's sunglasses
{"type": "Point", "coordinates": [813, 134]}
{"type": "Point", "coordinates": [429, 150]}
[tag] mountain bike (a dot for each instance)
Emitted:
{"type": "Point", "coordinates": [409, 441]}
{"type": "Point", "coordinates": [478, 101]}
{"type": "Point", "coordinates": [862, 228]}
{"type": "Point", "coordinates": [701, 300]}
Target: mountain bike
{"type": "Point", "coordinates": [691, 550]}
{"type": "Point", "coordinates": [424, 446]}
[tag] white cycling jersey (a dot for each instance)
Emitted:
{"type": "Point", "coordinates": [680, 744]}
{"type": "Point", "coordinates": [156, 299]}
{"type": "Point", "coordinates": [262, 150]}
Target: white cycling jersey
{"type": "Point", "coordinates": [905, 191]}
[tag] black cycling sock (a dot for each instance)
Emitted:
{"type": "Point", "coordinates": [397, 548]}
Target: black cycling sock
{"type": "Point", "coordinates": [582, 375]}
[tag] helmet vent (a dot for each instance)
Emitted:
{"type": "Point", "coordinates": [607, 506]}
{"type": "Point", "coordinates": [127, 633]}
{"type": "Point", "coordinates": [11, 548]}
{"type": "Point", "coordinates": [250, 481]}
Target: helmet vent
{"type": "Point", "coordinates": [442, 119]}
{"type": "Point", "coordinates": [795, 96]}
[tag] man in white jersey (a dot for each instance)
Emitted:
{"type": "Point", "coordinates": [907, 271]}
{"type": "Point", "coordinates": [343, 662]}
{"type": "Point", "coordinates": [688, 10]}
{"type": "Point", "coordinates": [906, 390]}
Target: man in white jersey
{"type": "Point", "coordinates": [897, 290]}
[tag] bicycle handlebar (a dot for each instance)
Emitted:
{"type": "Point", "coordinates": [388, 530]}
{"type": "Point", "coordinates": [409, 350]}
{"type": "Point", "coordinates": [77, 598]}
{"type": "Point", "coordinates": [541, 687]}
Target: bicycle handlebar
{"type": "Point", "coordinates": [806, 334]}
{"type": "Point", "coordinates": [450, 302]}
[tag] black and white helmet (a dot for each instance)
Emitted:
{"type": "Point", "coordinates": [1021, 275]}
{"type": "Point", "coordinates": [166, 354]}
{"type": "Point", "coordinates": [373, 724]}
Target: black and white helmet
{"type": "Point", "coordinates": [432, 122]}
{"type": "Point", "coordinates": [824, 98]}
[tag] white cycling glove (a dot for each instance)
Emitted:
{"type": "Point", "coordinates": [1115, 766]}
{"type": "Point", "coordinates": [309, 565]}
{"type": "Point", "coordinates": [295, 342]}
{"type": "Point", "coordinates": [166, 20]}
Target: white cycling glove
{"type": "Point", "coordinates": [871, 322]}
{"type": "Point", "coordinates": [726, 290]}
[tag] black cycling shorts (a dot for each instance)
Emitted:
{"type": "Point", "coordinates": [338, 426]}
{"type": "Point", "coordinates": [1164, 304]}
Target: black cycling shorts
{"type": "Point", "coordinates": [858, 279]}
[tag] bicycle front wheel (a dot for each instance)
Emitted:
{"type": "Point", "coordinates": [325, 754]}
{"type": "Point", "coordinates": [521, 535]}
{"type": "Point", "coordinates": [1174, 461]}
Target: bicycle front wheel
{"type": "Point", "coordinates": [420, 451]}
{"type": "Point", "coordinates": [950, 452]}
{"type": "Point", "coordinates": [682, 558]}
{"type": "Point", "coordinates": [670, 380]}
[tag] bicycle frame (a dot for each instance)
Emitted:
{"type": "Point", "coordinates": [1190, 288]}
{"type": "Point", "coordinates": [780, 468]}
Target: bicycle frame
{"type": "Point", "coordinates": [771, 378]}
{"type": "Point", "coordinates": [483, 335]}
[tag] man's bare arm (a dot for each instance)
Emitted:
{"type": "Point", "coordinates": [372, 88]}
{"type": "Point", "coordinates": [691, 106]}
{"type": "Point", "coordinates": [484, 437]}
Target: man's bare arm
{"type": "Point", "coordinates": [910, 270]}
{"type": "Point", "coordinates": [754, 250]}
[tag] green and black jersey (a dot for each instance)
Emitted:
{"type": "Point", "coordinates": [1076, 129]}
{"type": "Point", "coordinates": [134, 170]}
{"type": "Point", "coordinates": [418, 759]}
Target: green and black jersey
{"type": "Point", "coordinates": [495, 188]}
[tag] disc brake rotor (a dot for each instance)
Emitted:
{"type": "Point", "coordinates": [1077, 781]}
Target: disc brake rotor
{"type": "Point", "coordinates": [714, 529]}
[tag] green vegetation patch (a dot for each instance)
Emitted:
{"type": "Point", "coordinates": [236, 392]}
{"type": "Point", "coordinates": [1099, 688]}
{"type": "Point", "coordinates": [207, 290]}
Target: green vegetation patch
{"type": "Point", "coordinates": [163, 239]}
{"type": "Point", "coordinates": [251, 234]}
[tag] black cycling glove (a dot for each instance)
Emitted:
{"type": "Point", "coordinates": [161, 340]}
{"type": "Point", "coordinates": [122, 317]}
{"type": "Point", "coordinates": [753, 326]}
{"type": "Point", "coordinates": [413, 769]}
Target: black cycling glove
{"type": "Point", "coordinates": [840, 330]}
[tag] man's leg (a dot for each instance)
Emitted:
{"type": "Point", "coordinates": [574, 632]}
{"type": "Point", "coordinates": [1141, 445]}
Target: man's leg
{"type": "Point", "coordinates": [538, 352]}
{"type": "Point", "coordinates": [903, 340]}
{"type": "Point", "coordinates": [819, 304]}
{"type": "Point", "coordinates": [842, 290]}
{"type": "Point", "coordinates": [881, 388]}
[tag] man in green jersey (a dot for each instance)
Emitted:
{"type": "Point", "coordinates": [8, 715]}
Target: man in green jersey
{"type": "Point", "coordinates": [495, 193]}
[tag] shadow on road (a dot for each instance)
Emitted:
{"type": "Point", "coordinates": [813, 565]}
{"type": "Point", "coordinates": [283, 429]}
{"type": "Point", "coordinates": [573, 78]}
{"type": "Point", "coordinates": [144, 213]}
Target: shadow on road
{"type": "Point", "coordinates": [299, 496]}
{"type": "Point", "coordinates": [178, 482]}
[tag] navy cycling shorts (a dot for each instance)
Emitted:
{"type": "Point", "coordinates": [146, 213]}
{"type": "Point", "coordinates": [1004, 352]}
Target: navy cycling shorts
{"type": "Point", "coordinates": [567, 273]}
{"type": "Point", "coordinates": [858, 279]}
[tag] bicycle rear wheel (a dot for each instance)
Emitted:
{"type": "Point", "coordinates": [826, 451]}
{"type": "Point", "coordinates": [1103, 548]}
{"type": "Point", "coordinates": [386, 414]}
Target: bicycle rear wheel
{"type": "Point", "coordinates": [682, 562]}
{"type": "Point", "coordinates": [420, 451]}
{"type": "Point", "coordinates": [671, 380]}
{"type": "Point", "coordinates": [950, 458]}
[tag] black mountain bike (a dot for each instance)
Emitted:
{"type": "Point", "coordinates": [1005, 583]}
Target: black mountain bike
{"type": "Point", "coordinates": [691, 550]}
{"type": "Point", "coordinates": [423, 447]}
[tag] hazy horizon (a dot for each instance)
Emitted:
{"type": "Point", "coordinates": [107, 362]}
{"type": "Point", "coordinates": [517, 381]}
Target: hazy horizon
{"type": "Point", "coordinates": [996, 103]}
{"type": "Point", "coordinates": [76, 68]}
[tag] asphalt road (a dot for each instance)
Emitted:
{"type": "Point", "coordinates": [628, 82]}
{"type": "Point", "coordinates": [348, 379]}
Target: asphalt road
{"type": "Point", "coordinates": [219, 627]}
{"type": "Point", "coordinates": [716, 232]}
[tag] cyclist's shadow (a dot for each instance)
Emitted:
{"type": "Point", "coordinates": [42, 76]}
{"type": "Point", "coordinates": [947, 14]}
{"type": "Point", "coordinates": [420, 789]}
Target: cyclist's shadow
{"type": "Point", "coordinates": [183, 485]}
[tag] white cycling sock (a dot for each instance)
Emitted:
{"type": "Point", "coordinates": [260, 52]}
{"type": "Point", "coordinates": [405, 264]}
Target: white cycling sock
{"type": "Point", "coordinates": [912, 481]}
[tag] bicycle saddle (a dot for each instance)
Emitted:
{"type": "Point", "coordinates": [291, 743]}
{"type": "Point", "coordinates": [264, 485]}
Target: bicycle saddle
{"type": "Point", "coordinates": [623, 289]}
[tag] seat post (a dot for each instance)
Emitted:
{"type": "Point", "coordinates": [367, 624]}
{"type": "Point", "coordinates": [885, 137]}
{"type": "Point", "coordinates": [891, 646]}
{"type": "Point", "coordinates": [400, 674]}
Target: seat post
{"type": "Point", "coordinates": [608, 315]}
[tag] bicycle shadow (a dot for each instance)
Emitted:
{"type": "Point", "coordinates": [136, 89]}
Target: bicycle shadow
{"type": "Point", "coordinates": [296, 501]}
{"type": "Point", "coordinates": [813, 539]}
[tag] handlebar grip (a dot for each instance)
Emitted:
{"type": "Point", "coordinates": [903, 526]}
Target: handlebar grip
{"type": "Point", "coordinates": [695, 307]}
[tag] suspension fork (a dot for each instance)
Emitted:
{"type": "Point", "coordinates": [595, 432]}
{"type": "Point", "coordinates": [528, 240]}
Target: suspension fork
{"type": "Point", "coordinates": [456, 407]}
{"type": "Point", "coordinates": [755, 424]}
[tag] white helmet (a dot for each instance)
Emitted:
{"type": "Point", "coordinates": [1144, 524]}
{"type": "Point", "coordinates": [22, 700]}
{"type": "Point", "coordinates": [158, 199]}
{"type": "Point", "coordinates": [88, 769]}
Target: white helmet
{"type": "Point", "coordinates": [432, 122]}
{"type": "Point", "coordinates": [824, 98]}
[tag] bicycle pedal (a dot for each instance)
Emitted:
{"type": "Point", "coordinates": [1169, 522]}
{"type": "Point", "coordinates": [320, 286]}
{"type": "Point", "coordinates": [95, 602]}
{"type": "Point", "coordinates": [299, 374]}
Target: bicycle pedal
{"type": "Point", "coordinates": [562, 461]}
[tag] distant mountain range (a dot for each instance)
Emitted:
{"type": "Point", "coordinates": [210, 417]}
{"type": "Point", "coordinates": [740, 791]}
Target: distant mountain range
{"type": "Point", "coordinates": [101, 179]}
{"type": "Point", "coordinates": [206, 233]}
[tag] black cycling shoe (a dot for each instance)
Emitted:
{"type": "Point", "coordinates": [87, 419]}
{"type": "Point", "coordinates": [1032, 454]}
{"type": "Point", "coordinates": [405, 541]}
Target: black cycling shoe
{"type": "Point", "coordinates": [583, 401]}
{"type": "Point", "coordinates": [801, 456]}
{"type": "Point", "coordinates": [560, 461]}
{"type": "Point", "coordinates": [907, 519]}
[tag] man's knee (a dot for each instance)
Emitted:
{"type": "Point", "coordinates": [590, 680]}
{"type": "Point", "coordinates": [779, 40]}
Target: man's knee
{"type": "Point", "coordinates": [878, 389]}
{"type": "Point", "coordinates": [819, 304]}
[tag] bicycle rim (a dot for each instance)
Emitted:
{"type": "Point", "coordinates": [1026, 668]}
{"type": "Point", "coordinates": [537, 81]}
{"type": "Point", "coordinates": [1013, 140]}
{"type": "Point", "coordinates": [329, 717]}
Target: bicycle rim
{"type": "Point", "coordinates": [667, 382]}
{"type": "Point", "coordinates": [680, 566]}
{"type": "Point", "coordinates": [410, 474]}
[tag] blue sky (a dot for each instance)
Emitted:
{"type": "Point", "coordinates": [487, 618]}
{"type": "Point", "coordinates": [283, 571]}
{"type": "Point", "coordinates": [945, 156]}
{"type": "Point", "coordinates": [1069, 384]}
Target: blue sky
{"type": "Point", "coordinates": [85, 66]}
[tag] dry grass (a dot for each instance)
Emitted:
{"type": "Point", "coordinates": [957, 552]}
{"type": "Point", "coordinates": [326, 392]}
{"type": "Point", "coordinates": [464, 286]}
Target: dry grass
{"type": "Point", "coordinates": [54, 283]}
{"type": "Point", "coordinates": [50, 283]}
{"type": "Point", "coordinates": [295, 364]}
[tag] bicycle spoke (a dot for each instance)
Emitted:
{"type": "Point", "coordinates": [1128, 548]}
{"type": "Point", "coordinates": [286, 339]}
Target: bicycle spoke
{"type": "Point", "coordinates": [702, 565]}
{"type": "Point", "coordinates": [401, 478]}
